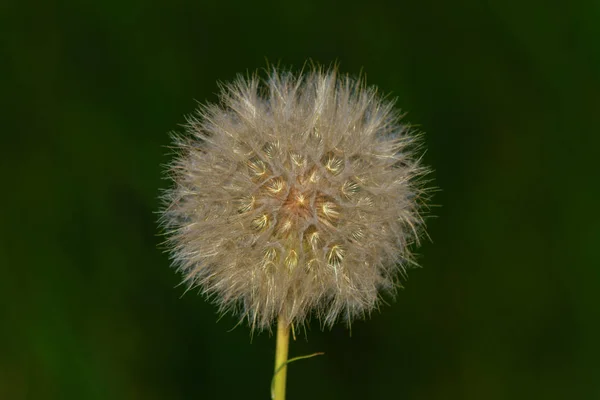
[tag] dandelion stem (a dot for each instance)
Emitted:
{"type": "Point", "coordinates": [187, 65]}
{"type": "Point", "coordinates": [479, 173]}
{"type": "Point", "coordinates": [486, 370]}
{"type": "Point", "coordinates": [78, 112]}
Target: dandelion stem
{"type": "Point", "coordinates": [281, 355]}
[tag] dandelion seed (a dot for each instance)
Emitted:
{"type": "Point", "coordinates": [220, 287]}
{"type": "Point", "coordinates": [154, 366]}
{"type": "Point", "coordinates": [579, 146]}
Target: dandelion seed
{"type": "Point", "coordinates": [261, 222]}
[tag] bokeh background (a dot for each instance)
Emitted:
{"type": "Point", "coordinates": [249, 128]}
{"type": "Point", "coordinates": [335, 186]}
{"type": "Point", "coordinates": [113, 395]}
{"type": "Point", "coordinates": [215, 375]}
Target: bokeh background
{"type": "Point", "coordinates": [506, 304]}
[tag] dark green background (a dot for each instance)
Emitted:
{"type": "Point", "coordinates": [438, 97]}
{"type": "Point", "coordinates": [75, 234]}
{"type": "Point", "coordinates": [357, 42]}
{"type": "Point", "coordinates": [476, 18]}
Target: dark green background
{"type": "Point", "coordinates": [507, 304]}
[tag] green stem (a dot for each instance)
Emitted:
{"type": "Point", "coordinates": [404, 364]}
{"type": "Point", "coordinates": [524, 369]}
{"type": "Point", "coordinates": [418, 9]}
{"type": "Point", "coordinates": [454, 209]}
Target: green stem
{"type": "Point", "coordinates": [281, 355]}
{"type": "Point", "coordinates": [281, 360]}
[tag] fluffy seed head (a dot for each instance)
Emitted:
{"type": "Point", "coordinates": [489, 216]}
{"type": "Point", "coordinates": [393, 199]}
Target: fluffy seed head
{"type": "Point", "coordinates": [295, 195]}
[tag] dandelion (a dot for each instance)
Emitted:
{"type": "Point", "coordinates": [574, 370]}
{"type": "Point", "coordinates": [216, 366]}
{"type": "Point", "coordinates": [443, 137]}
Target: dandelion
{"type": "Point", "coordinates": [295, 196]}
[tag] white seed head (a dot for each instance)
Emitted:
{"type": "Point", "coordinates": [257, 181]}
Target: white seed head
{"type": "Point", "coordinates": [296, 195]}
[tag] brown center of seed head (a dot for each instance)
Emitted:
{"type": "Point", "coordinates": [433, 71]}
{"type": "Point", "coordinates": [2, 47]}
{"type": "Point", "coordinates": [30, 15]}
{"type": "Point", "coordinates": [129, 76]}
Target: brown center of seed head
{"type": "Point", "coordinates": [297, 203]}
{"type": "Point", "coordinates": [293, 201]}
{"type": "Point", "coordinates": [304, 202]}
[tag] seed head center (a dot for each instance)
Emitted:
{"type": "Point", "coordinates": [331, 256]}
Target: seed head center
{"type": "Point", "coordinates": [297, 203]}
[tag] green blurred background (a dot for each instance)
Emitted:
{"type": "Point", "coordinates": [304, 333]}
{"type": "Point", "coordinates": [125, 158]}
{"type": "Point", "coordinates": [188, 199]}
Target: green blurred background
{"type": "Point", "coordinates": [506, 305]}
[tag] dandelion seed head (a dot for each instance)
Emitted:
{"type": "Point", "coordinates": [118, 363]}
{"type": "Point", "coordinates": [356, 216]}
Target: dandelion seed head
{"type": "Point", "coordinates": [296, 195]}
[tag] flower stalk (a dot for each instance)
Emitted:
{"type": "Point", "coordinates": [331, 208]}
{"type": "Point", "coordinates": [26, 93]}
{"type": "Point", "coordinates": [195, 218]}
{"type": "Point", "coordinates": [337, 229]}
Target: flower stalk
{"type": "Point", "coordinates": [281, 359]}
